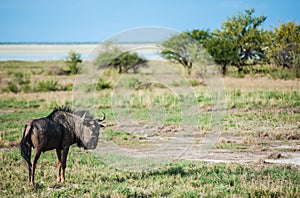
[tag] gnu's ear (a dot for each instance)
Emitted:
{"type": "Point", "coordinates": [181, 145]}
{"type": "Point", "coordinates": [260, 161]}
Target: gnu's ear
{"type": "Point", "coordinates": [101, 126]}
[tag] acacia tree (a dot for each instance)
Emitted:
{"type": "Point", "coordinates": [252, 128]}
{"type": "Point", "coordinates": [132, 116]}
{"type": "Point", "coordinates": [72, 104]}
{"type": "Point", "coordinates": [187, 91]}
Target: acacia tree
{"type": "Point", "coordinates": [223, 51]}
{"type": "Point", "coordinates": [183, 49]}
{"type": "Point", "coordinates": [285, 49]}
{"type": "Point", "coordinates": [202, 36]}
{"type": "Point", "coordinates": [114, 57]}
{"type": "Point", "coordinates": [127, 61]}
{"type": "Point", "coordinates": [239, 42]}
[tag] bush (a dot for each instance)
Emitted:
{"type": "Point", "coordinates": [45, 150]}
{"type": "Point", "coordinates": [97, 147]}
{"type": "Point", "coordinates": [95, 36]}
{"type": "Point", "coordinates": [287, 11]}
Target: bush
{"type": "Point", "coordinates": [11, 87]}
{"type": "Point", "coordinates": [68, 87]}
{"type": "Point", "coordinates": [101, 84]}
{"type": "Point", "coordinates": [194, 82]}
{"type": "Point", "coordinates": [48, 85]}
{"type": "Point", "coordinates": [73, 62]}
{"type": "Point", "coordinates": [26, 88]}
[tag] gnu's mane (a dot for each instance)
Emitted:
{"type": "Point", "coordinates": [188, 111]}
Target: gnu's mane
{"type": "Point", "coordinates": [65, 108]}
{"type": "Point", "coordinates": [68, 109]}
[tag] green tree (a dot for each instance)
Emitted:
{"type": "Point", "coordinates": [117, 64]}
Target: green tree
{"type": "Point", "coordinates": [127, 61]}
{"type": "Point", "coordinates": [113, 56]}
{"type": "Point", "coordinates": [223, 50]}
{"type": "Point", "coordinates": [202, 36]}
{"type": "Point", "coordinates": [182, 48]}
{"type": "Point", "coordinates": [73, 62]}
{"type": "Point", "coordinates": [285, 48]}
{"type": "Point", "coordinates": [243, 31]}
{"type": "Point", "coordinates": [239, 42]}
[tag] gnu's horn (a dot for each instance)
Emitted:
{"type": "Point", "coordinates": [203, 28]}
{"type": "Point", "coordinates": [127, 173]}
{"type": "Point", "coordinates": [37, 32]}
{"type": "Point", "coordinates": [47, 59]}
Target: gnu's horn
{"type": "Point", "coordinates": [103, 117]}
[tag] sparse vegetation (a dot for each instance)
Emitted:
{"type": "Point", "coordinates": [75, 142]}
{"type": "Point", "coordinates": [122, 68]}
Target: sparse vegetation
{"type": "Point", "coordinates": [19, 82]}
{"type": "Point", "coordinates": [261, 120]}
{"type": "Point", "coordinates": [73, 62]}
{"type": "Point", "coordinates": [257, 116]}
{"type": "Point", "coordinates": [91, 178]}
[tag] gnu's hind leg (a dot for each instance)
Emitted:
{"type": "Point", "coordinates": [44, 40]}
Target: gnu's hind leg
{"type": "Point", "coordinates": [29, 165]}
{"type": "Point", "coordinates": [35, 159]}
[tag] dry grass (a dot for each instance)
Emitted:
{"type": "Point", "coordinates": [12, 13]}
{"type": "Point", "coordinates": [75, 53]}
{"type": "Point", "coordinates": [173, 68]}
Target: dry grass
{"type": "Point", "coordinates": [262, 118]}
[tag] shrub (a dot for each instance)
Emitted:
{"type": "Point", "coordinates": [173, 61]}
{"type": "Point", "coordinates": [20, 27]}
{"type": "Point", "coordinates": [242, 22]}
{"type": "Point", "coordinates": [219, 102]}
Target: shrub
{"type": "Point", "coordinates": [68, 87]}
{"type": "Point", "coordinates": [26, 88]}
{"type": "Point", "coordinates": [73, 62]}
{"type": "Point", "coordinates": [48, 85]}
{"type": "Point", "coordinates": [11, 87]}
{"type": "Point", "coordinates": [194, 82]}
{"type": "Point", "coordinates": [101, 84]}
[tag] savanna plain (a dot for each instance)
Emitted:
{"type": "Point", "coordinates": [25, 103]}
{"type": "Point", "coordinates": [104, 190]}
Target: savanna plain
{"type": "Point", "coordinates": [256, 153]}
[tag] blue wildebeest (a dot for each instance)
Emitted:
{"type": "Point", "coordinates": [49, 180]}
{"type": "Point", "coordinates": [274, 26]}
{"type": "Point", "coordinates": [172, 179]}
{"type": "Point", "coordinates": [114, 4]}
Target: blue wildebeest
{"type": "Point", "coordinates": [58, 130]}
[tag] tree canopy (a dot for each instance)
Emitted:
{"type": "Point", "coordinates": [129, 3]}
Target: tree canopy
{"type": "Point", "coordinates": [114, 57]}
{"type": "Point", "coordinates": [285, 46]}
{"type": "Point", "coordinates": [184, 49]}
{"type": "Point", "coordinates": [239, 42]}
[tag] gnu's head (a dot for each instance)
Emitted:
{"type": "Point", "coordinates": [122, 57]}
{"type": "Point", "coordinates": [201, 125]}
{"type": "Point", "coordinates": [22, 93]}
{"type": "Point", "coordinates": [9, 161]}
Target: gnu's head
{"type": "Point", "coordinates": [90, 132]}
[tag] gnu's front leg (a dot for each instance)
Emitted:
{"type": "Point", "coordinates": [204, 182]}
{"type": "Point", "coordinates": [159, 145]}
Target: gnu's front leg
{"type": "Point", "coordinates": [64, 162]}
{"type": "Point", "coordinates": [59, 164]}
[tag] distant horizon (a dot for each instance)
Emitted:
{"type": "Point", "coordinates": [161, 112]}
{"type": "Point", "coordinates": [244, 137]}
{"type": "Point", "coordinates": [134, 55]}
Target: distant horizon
{"type": "Point", "coordinates": [59, 51]}
{"type": "Point", "coordinates": [70, 42]}
{"type": "Point", "coordinates": [48, 42]}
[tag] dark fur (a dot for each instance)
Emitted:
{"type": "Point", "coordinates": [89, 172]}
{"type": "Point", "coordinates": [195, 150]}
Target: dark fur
{"type": "Point", "coordinates": [58, 130]}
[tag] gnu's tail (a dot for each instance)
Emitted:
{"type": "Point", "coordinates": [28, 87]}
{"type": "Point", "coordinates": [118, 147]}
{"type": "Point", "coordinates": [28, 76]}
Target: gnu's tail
{"type": "Point", "coordinates": [24, 147]}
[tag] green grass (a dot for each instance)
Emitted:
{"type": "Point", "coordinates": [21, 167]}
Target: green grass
{"type": "Point", "coordinates": [111, 134]}
{"type": "Point", "coordinates": [260, 116]}
{"type": "Point", "coordinates": [256, 99]}
{"type": "Point", "coordinates": [87, 176]}
{"type": "Point", "coordinates": [34, 67]}
{"type": "Point", "coordinates": [22, 104]}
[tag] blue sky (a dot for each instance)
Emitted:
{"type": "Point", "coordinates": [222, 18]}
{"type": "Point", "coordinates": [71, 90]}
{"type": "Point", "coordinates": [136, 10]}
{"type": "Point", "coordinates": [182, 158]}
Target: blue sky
{"type": "Point", "coordinates": [96, 20]}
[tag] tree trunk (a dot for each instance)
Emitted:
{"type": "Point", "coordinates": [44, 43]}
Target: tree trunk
{"type": "Point", "coordinates": [224, 69]}
{"type": "Point", "coordinates": [240, 69]}
{"type": "Point", "coordinates": [120, 69]}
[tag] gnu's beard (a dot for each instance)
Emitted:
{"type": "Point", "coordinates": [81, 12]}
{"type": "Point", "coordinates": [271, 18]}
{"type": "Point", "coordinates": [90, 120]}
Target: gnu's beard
{"type": "Point", "coordinates": [92, 144]}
